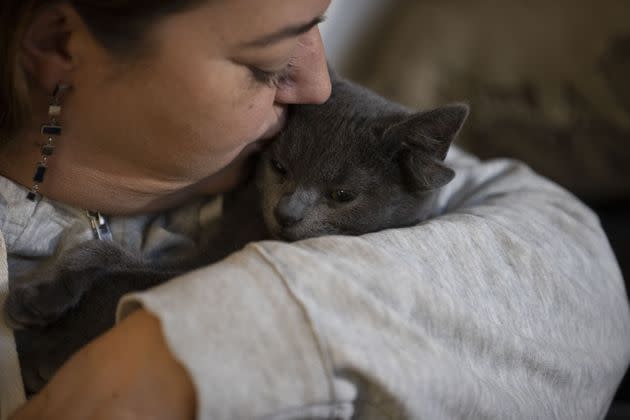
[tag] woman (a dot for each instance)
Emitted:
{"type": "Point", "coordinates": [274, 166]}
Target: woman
{"type": "Point", "coordinates": [161, 102]}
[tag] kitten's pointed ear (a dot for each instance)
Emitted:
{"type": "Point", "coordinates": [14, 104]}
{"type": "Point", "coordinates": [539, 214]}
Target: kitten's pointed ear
{"type": "Point", "coordinates": [422, 142]}
{"type": "Point", "coordinates": [332, 73]}
{"type": "Point", "coordinates": [432, 131]}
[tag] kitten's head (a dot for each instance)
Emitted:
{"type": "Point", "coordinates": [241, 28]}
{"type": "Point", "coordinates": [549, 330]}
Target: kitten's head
{"type": "Point", "coordinates": [352, 167]}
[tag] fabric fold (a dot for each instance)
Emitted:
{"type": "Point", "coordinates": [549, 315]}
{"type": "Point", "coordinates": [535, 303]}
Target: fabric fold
{"type": "Point", "coordinates": [246, 342]}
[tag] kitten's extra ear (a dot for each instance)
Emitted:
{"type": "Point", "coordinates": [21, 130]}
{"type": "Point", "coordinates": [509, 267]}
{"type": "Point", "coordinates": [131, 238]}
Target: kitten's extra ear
{"type": "Point", "coordinates": [422, 142]}
{"type": "Point", "coordinates": [334, 77]}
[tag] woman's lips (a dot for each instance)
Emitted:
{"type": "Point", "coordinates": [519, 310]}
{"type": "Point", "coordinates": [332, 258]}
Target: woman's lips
{"type": "Point", "coordinates": [274, 129]}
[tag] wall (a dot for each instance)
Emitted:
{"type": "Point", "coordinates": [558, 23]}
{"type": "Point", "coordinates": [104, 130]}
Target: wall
{"type": "Point", "coordinates": [347, 21]}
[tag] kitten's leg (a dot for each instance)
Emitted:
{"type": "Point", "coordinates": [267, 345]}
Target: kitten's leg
{"type": "Point", "coordinates": [51, 292]}
{"type": "Point", "coordinates": [43, 350]}
{"type": "Point", "coordinates": [242, 222]}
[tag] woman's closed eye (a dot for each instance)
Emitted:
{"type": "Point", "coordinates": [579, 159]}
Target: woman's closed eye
{"type": "Point", "coordinates": [272, 78]}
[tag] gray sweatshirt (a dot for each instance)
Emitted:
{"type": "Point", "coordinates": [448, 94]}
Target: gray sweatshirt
{"type": "Point", "coordinates": [509, 306]}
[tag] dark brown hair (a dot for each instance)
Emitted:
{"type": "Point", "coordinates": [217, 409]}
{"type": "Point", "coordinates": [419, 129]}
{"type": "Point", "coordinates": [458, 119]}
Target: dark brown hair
{"type": "Point", "coordinates": [119, 25]}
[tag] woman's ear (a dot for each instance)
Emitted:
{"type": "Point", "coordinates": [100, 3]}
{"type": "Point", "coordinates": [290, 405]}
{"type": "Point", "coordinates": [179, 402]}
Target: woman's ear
{"type": "Point", "coordinates": [45, 54]}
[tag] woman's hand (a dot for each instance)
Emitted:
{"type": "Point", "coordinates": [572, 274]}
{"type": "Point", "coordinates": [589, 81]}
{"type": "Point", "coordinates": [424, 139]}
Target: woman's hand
{"type": "Point", "coordinates": [127, 373]}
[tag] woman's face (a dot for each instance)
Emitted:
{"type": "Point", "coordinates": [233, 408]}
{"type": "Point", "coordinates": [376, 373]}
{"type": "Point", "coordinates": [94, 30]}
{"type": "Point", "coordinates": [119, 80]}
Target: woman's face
{"type": "Point", "coordinates": [214, 88]}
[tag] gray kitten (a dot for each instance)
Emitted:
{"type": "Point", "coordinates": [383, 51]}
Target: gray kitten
{"type": "Point", "coordinates": [354, 165]}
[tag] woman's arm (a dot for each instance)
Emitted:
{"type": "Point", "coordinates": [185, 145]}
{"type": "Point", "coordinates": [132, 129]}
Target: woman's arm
{"type": "Point", "coordinates": [128, 373]}
{"type": "Point", "coordinates": [510, 306]}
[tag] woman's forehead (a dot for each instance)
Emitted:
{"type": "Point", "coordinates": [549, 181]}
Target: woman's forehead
{"type": "Point", "coordinates": [251, 22]}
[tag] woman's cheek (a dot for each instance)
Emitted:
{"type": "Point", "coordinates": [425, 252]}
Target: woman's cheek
{"type": "Point", "coordinates": [241, 117]}
{"type": "Point", "coordinates": [256, 120]}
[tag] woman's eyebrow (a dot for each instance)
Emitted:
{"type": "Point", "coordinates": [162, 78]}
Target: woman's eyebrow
{"type": "Point", "coordinates": [288, 32]}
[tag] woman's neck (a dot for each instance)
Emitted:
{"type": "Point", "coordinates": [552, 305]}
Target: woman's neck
{"type": "Point", "coordinates": [78, 182]}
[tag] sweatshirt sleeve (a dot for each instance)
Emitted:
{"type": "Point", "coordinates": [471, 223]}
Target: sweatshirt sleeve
{"type": "Point", "coordinates": [509, 305]}
{"type": "Point", "coordinates": [11, 390]}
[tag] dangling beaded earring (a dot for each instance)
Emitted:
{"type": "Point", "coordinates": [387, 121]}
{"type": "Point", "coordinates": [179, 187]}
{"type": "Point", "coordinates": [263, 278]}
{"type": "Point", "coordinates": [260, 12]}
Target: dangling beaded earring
{"type": "Point", "coordinates": [51, 130]}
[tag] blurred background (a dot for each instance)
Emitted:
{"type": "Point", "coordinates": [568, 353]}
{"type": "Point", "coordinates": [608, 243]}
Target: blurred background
{"type": "Point", "coordinates": [548, 84]}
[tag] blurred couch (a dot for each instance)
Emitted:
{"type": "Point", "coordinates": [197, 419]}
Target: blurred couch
{"type": "Point", "coordinates": [548, 83]}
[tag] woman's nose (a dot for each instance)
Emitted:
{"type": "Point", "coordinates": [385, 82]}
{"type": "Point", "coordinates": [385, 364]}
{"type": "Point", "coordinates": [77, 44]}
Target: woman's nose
{"type": "Point", "coordinates": [310, 82]}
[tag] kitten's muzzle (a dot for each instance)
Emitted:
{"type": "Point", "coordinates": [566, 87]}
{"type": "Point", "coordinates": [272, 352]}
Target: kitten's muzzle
{"type": "Point", "coordinates": [291, 209]}
{"type": "Point", "coordinates": [286, 218]}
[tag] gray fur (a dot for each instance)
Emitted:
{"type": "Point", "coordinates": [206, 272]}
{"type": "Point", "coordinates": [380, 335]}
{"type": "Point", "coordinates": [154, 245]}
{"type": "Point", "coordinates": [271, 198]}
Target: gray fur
{"type": "Point", "coordinates": [387, 159]}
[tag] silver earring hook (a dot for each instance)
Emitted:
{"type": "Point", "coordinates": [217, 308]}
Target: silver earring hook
{"type": "Point", "coordinates": [59, 92]}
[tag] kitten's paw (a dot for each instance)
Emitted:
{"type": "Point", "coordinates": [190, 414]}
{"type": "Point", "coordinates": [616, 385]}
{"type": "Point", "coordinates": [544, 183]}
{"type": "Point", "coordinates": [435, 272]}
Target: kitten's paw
{"type": "Point", "coordinates": [50, 293]}
{"type": "Point", "coordinates": [36, 305]}
{"type": "Point", "coordinates": [94, 257]}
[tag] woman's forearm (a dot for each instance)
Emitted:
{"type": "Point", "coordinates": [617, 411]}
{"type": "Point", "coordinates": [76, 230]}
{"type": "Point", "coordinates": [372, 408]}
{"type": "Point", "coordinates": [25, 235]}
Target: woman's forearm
{"type": "Point", "coordinates": [126, 373]}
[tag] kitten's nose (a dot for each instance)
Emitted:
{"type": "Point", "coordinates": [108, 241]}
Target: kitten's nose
{"type": "Point", "coordinates": [285, 218]}
{"type": "Point", "coordinates": [289, 211]}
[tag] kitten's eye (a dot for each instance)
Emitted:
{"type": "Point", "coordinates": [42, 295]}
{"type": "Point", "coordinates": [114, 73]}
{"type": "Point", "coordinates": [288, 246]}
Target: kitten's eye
{"type": "Point", "coordinates": [277, 166]}
{"type": "Point", "coordinates": [342, 196]}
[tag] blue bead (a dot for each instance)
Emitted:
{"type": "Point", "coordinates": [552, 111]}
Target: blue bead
{"type": "Point", "coordinates": [51, 130]}
{"type": "Point", "coordinates": [39, 175]}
